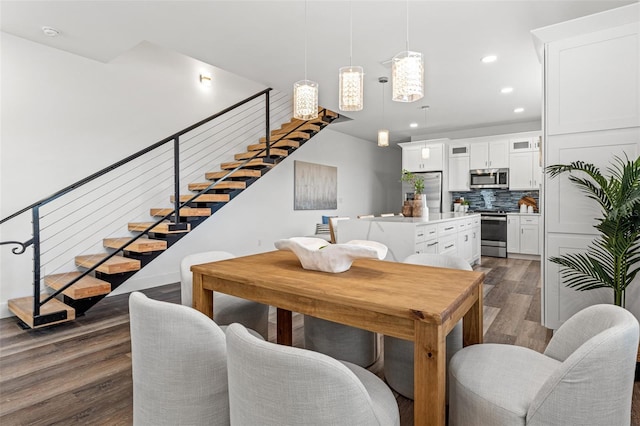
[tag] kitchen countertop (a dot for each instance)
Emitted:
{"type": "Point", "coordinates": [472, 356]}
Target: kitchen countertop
{"type": "Point", "coordinates": [433, 218]}
{"type": "Point", "coordinates": [525, 214]}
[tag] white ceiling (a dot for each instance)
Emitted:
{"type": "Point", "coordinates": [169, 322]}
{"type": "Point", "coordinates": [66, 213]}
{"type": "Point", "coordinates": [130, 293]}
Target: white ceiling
{"type": "Point", "coordinates": [264, 41]}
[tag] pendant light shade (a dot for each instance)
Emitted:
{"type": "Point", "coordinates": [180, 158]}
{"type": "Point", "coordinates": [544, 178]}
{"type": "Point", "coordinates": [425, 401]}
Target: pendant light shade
{"type": "Point", "coordinates": [351, 88]}
{"type": "Point", "coordinates": [305, 92]}
{"type": "Point", "coordinates": [426, 153]}
{"type": "Point", "coordinates": [383, 134]}
{"type": "Point", "coordinates": [407, 76]}
{"type": "Point", "coordinates": [305, 100]}
{"type": "Point", "coordinates": [383, 137]}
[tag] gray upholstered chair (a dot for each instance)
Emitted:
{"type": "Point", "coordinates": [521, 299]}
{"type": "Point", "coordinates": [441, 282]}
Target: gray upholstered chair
{"type": "Point", "coordinates": [275, 385]}
{"type": "Point", "coordinates": [226, 308]}
{"type": "Point", "coordinates": [584, 377]}
{"type": "Point", "coordinates": [398, 353]}
{"type": "Point", "coordinates": [340, 341]}
{"type": "Point", "coordinates": [179, 365]}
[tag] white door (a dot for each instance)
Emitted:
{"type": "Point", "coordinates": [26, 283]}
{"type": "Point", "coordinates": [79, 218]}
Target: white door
{"type": "Point", "coordinates": [499, 154]}
{"type": "Point", "coordinates": [520, 171]}
{"type": "Point", "coordinates": [513, 234]}
{"type": "Point", "coordinates": [529, 243]}
{"type": "Point", "coordinates": [459, 174]}
{"type": "Point", "coordinates": [479, 155]}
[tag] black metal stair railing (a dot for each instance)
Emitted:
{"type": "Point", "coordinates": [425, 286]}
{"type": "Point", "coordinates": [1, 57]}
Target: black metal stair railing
{"type": "Point", "coordinates": [174, 215]}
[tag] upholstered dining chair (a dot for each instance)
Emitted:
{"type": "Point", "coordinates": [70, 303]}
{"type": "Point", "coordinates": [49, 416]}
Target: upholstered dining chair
{"type": "Point", "coordinates": [226, 308]}
{"type": "Point", "coordinates": [340, 341]}
{"type": "Point", "coordinates": [179, 365]}
{"type": "Point", "coordinates": [276, 385]}
{"type": "Point", "coordinates": [398, 353]}
{"type": "Point", "coordinates": [584, 377]}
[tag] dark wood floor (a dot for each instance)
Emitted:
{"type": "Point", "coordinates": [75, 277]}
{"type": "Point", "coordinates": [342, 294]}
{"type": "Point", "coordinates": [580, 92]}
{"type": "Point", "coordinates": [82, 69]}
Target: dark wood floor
{"type": "Point", "coordinates": [80, 372]}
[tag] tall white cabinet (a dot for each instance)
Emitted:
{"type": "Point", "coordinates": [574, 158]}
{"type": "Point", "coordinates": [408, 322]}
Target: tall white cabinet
{"type": "Point", "coordinates": [591, 113]}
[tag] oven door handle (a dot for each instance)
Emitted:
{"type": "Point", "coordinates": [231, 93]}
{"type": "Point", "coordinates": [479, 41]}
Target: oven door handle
{"type": "Point", "coordinates": [497, 219]}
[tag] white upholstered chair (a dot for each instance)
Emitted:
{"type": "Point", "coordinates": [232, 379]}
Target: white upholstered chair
{"type": "Point", "coordinates": [398, 353]}
{"type": "Point", "coordinates": [276, 385]}
{"type": "Point", "coordinates": [340, 341]}
{"type": "Point", "coordinates": [585, 376]}
{"type": "Point", "coordinates": [226, 308]}
{"type": "Point", "coordinates": [179, 365]}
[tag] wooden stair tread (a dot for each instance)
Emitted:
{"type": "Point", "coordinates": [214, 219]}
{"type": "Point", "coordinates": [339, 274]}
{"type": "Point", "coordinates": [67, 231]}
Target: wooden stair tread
{"type": "Point", "coordinates": [184, 212]}
{"type": "Point", "coordinates": [241, 173]}
{"type": "Point", "coordinates": [275, 152]}
{"type": "Point", "coordinates": [141, 245]}
{"type": "Point", "coordinates": [257, 162]}
{"type": "Point", "coordinates": [115, 265]}
{"type": "Point", "coordinates": [293, 135]}
{"type": "Point", "coordinates": [303, 126]}
{"type": "Point", "coordinates": [23, 309]}
{"type": "Point", "coordinates": [288, 143]}
{"type": "Point", "coordinates": [226, 184]}
{"type": "Point", "coordinates": [161, 228]}
{"type": "Point", "coordinates": [328, 112]}
{"type": "Point", "coordinates": [87, 286]}
{"type": "Point", "coordinates": [203, 198]}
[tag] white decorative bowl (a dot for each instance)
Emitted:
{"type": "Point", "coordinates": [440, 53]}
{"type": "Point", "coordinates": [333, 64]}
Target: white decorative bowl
{"type": "Point", "coordinates": [317, 255]}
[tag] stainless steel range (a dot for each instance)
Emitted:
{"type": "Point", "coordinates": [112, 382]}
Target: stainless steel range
{"type": "Point", "coordinates": [494, 233]}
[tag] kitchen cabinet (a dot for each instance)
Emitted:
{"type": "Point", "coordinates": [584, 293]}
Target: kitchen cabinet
{"type": "Point", "coordinates": [591, 113]}
{"type": "Point", "coordinates": [523, 233]}
{"type": "Point", "coordinates": [525, 172]}
{"type": "Point", "coordinates": [412, 157]}
{"type": "Point", "coordinates": [459, 173]}
{"type": "Point", "coordinates": [524, 144]}
{"type": "Point", "coordinates": [458, 150]}
{"type": "Point", "coordinates": [441, 233]}
{"type": "Point", "coordinates": [489, 155]}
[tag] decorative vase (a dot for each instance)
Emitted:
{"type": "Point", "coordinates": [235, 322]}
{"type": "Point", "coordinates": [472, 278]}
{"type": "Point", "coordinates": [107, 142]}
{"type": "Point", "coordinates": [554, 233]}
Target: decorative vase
{"type": "Point", "coordinates": [420, 208]}
{"type": "Point", "coordinates": [407, 210]}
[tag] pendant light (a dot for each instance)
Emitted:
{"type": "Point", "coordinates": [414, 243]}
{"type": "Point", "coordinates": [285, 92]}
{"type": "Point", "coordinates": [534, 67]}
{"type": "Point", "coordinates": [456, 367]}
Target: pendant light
{"type": "Point", "coordinates": [383, 134]}
{"type": "Point", "coordinates": [305, 92]}
{"type": "Point", "coordinates": [351, 79]}
{"type": "Point", "coordinates": [407, 73]}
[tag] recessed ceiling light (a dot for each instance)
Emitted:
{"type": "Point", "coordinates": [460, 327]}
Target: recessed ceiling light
{"type": "Point", "coordinates": [413, 125]}
{"type": "Point", "coordinates": [506, 90]}
{"type": "Point", "coordinates": [489, 58]}
{"type": "Point", "coordinates": [518, 110]}
{"type": "Point", "coordinates": [50, 31]}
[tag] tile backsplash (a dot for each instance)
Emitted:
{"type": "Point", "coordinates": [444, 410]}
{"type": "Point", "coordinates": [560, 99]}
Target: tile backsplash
{"type": "Point", "coordinates": [496, 199]}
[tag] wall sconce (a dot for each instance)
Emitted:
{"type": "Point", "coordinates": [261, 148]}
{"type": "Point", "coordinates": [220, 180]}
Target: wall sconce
{"type": "Point", "coordinates": [205, 79]}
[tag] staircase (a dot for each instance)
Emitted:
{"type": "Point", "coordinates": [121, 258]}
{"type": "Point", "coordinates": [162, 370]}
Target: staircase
{"type": "Point", "coordinates": [79, 291]}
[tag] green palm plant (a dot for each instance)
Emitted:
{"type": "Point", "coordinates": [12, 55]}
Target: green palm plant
{"type": "Point", "coordinates": [610, 261]}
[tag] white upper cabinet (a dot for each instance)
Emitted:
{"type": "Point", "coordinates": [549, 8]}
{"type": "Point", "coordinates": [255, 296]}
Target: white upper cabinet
{"type": "Point", "coordinates": [459, 173]}
{"type": "Point", "coordinates": [459, 150]}
{"type": "Point", "coordinates": [422, 157]}
{"type": "Point", "coordinates": [593, 79]}
{"type": "Point", "coordinates": [489, 155]}
{"type": "Point", "coordinates": [525, 172]}
{"type": "Point", "coordinates": [524, 144]}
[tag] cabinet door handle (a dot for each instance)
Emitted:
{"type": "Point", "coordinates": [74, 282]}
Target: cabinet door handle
{"type": "Point", "coordinates": [522, 231]}
{"type": "Point", "coordinates": [466, 238]}
{"type": "Point", "coordinates": [448, 229]}
{"type": "Point", "coordinates": [420, 235]}
{"type": "Point", "coordinates": [448, 247]}
{"type": "Point", "coordinates": [432, 244]}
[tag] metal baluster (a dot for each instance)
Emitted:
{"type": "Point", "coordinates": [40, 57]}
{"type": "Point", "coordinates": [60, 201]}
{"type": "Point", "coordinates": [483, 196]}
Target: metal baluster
{"type": "Point", "coordinates": [35, 221]}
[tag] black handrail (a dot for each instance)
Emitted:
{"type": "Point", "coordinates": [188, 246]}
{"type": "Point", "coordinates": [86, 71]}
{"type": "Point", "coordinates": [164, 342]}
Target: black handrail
{"type": "Point", "coordinates": [133, 156]}
{"type": "Point", "coordinates": [35, 207]}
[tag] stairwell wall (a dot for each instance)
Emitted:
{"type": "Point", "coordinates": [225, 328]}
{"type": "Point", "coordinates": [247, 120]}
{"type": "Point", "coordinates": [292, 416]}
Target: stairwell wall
{"type": "Point", "coordinates": [64, 117]}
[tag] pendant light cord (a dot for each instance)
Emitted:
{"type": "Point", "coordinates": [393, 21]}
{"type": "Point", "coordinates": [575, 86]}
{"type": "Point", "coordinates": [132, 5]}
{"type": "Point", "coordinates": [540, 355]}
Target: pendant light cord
{"type": "Point", "coordinates": [350, 33]}
{"type": "Point", "coordinates": [407, 25]}
{"type": "Point", "coordinates": [383, 105]}
{"type": "Point", "coordinates": [305, 40]}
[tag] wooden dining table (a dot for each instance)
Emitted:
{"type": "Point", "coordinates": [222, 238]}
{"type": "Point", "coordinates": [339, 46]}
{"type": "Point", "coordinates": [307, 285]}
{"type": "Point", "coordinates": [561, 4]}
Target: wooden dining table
{"type": "Point", "coordinates": [411, 302]}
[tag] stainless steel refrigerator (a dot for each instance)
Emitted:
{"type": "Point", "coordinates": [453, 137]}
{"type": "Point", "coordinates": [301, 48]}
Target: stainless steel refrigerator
{"type": "Point", "coordinates": [432, 190]}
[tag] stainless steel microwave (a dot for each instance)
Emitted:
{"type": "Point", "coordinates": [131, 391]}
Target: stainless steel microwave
{"type": "Point", "coordinates": [489, 178]}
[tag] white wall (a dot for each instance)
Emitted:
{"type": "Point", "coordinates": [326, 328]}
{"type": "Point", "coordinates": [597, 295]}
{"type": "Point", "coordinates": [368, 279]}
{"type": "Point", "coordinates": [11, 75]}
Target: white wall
{"type": "Point", "coordinates": [64, 117]}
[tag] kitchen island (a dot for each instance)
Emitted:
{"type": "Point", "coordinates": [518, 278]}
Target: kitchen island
{"type": "Point", "coordinates": [441, 233]}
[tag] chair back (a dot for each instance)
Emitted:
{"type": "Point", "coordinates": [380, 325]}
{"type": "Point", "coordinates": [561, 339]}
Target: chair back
{"type": "Point", "coordinates": [275, 385]}
{"type": "Point", "coordinates": [186, 277]}
{"type": "Point", "coordinates": [333, 227]}
{"type": "Point", "coordinates": [179, 365]}
{"type": "Point", "coordinates": [594, 384]}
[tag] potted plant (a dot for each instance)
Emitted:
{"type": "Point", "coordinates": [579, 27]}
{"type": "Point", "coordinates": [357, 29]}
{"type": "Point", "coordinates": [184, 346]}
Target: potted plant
{"type": "Point", "coordinates": [612, 260]}
{"type": "Point", "coordinates": [419, 203]}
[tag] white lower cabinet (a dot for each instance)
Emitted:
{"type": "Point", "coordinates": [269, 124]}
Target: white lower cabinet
{"type": "Point", "coordinates": [458, 236]}
{"type": "Point", "coordinates": [523, 234]}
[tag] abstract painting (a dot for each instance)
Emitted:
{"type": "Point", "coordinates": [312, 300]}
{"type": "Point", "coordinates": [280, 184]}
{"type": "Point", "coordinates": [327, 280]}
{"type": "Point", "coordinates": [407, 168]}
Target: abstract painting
{"type": "Point", "coordinates": [315, 186]}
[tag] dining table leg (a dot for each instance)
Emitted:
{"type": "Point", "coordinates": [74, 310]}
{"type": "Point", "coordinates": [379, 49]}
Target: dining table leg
{"type": "Point", "coordinates": [202, 298]}
{"type": "Point", "coordinates": [429, 374]}
{"type": "Point", "coordinates": [472, 328]}
{"type": "Point", "coordinates": [284, 331]}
